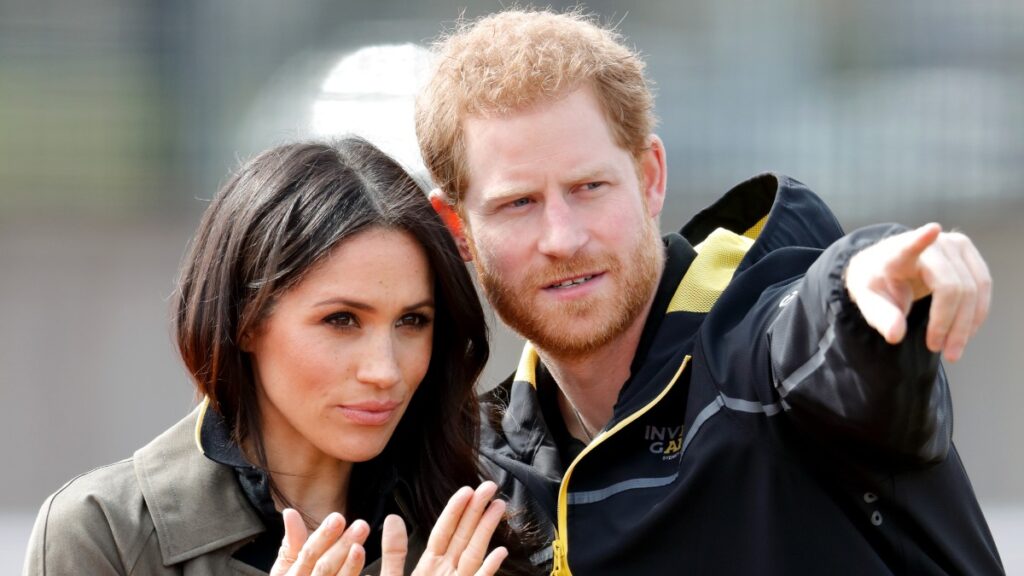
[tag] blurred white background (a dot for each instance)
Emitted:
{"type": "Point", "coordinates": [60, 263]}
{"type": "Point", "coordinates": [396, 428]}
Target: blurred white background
{"type": "Point", "coordinates": [118, 119]}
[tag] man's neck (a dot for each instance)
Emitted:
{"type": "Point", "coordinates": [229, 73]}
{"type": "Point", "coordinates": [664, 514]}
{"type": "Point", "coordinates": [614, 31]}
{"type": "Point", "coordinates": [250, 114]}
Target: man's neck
{"type": "Point", "coordinates": [590, 384]}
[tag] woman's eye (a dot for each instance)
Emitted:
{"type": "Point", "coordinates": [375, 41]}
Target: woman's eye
{"type": "Point", "coordinates": [414, 320]}
{"type": "Point", "coordinates": [342, 320]}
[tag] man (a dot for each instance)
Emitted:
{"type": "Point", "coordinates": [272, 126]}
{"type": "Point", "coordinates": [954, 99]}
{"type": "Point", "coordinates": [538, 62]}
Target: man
{"type": "Point", "coordinates": [757, 394]}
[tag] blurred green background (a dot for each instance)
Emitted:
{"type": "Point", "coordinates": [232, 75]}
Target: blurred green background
{"type": "Point", "coordinates": [118, 120]}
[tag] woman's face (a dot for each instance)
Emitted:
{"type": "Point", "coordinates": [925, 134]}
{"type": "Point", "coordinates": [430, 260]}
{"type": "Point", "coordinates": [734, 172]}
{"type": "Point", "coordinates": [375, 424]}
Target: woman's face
{"type": "Point", "coordinates": [342, 352]}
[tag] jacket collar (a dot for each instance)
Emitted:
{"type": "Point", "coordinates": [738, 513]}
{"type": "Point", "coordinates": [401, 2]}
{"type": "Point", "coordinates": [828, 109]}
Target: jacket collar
{"type": "Point", "coordinates": [196, 504]}
{"type": "Point", "coordinates": [765, 213]}
{"type": "Point", "coordinates": [773, 210]}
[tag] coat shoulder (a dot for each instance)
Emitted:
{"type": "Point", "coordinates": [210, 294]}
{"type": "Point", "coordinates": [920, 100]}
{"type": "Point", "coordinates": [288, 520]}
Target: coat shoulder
{"type": "Point", "coordinates": [96, 523]}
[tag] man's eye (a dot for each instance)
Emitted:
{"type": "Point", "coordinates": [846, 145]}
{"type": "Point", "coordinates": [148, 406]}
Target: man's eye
{"type": "Point", "coordinates": [414, 320]}
{"type": "Point", "coordinates": [342, 320]}
{"type": "Point", "coordinates": [519, 202]}
{"type": "Point", "coordinates": [593, 185]}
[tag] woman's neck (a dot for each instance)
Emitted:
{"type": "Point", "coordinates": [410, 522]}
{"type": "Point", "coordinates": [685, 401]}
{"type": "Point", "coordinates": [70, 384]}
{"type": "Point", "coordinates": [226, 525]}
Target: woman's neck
{"type": "Point", "coordinates": [310, 481]}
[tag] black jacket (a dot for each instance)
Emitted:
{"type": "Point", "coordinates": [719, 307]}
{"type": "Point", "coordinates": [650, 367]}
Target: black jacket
{"type": "Point", "coordinates": [765, 429]}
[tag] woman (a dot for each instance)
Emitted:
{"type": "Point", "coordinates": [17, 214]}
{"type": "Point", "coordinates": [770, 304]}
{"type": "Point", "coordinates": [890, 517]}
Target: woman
{"type": "Point", "coordinates": [306, 315]}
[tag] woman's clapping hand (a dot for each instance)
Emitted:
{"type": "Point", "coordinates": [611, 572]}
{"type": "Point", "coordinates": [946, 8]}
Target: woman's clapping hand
{"type": "Point", "coordinates": [457, 545]}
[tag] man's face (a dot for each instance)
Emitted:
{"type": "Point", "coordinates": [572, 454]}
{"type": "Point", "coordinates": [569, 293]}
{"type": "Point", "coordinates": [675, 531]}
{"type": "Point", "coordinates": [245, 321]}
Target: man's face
{"type": "Point", "coordinates": [560, 224]}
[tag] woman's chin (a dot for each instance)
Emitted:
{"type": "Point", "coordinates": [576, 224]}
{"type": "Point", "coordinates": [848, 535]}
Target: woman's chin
{"type": "Point", "coordinates": [357, 453]}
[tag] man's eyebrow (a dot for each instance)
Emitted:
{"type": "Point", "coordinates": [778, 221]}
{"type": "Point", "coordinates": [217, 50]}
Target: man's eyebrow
{"type": "Point", "coordinates": [510, 190]}
{"type": "Point", "coordinates": [506, 191]}
{"type": "Point", "coordinates": [594, 172]}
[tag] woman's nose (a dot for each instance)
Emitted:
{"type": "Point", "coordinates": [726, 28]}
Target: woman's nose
{"type": "Point", "coordinates": [379, 364]}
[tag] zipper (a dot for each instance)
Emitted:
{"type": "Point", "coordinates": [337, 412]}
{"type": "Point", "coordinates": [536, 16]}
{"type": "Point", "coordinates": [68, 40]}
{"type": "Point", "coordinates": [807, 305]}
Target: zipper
{"type": "Point", "coordinates": [560, 546]}
{"type": "Point", "coordinates": [559, 563]}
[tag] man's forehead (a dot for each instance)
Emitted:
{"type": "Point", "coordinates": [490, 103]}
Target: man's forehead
{"type": "Point", "coordinates": [559, 141]}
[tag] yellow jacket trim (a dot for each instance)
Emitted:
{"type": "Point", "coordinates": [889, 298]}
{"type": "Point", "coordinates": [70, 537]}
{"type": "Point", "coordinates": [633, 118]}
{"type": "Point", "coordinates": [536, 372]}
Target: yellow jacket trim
{"type": "Point", "coordinates": [560, 547]}
{"type": "Point", "coordinates": [527, 370]}
{"type": "Point", "coordinates": [199, 423]}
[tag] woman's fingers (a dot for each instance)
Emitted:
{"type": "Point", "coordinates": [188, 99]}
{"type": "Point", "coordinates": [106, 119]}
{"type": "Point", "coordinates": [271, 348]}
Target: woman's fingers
{"type": "Point", "coordinates": [329, 549]}
{"type": "Point", "coordinates": [493, 562]}
{"type": "Point", "coordinates": [480, 539]}
{"type": "Point", "coordinates": [337, 557]}
{"type": "Point", "coordinates": [294, 537]}
{"type": "Point", "coordinates": [471, 516]}
{"type": "Point", "coordinates": [326, 535]}
{"type": "Point", "coordinates": [394, 547]}
{"type": "Point", "coordinates": [354, 562]}
{"type": "Point", "coordinates": [458, 543]}
{"type": "Point", "coordinates": [448, 521]}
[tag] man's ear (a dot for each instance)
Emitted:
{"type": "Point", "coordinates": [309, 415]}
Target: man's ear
{"type": "Point", "coordinates": [654, 172]}
{"type": "Point", "coordinates": [452, 220]}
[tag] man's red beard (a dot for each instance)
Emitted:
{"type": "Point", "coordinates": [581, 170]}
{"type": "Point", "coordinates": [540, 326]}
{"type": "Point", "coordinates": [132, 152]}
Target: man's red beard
{"type": "Point", "coordinates": [576, 329]}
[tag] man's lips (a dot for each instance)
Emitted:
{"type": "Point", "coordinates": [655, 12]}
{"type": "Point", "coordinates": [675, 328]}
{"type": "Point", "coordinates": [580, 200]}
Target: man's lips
{"type": "Point", "coordinates": [369, 413]}
{"type": "Point", "coordinates": [571, 281]}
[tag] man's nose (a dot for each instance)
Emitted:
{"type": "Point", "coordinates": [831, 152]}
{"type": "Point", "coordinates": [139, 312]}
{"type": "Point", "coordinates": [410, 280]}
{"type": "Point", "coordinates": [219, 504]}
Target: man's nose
{"type": "Point", "coordinates": [563, 231]}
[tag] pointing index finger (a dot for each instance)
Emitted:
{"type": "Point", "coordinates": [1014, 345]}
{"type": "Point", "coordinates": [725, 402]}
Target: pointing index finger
{"type": "Point", "coordinates": [918, 240]}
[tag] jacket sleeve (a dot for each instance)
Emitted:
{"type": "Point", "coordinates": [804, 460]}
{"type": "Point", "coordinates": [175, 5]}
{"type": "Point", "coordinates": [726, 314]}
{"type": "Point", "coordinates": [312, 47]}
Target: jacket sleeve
{"type": "Point", "coordinates": [842, 382]}
{"type": "Point", "coordinates": [92, 525]}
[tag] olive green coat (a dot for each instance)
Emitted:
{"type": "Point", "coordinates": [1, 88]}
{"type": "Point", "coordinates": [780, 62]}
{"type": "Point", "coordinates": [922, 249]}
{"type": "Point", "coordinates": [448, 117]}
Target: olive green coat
{"type": "Point", "coordinates": [167, 510]}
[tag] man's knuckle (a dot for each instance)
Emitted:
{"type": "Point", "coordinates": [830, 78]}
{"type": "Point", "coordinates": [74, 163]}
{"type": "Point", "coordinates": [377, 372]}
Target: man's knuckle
{"type": "Point", "coordinates": [947, 287]}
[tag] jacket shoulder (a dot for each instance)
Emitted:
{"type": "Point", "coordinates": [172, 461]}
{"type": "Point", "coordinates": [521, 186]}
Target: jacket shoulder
{"type": "Point", "coordinates": [95, 523]}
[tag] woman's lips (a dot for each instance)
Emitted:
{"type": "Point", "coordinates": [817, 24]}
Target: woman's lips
{"type": "Point", "coordinates": [369, 413]}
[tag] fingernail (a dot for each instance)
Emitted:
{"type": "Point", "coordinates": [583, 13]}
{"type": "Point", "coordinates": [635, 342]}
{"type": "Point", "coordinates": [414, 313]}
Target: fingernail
{"type": "Point", "coordinates": [332, 521]}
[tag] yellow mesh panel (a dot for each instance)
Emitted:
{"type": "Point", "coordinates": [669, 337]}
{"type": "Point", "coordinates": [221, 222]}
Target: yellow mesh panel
{"type": "Point", "coordinates": [712, 269]}
{"type": "Point", "coordinates": [754, 231]}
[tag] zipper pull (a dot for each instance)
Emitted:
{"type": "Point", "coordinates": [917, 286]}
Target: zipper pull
{"type": "Point", "coordinates": [558, 561]}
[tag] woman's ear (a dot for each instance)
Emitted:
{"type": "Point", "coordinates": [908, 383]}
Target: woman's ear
{"type": "Point", "coordinates": [452, 220]}
{"type": "Point", "coordinates": [245, 342]}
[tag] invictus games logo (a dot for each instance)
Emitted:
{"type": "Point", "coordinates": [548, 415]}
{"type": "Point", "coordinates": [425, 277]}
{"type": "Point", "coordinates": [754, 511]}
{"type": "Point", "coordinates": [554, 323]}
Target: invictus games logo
{"type": "Point", "coordinates": [665, 440]}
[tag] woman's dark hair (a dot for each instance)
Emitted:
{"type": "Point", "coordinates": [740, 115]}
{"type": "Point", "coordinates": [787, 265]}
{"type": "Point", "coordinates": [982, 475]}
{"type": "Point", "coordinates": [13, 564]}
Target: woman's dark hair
{"type": "Point", "coordinates": [271, 223]}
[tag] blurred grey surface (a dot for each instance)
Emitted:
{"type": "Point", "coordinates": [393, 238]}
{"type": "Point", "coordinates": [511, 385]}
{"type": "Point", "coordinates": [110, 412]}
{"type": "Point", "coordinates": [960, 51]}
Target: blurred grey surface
{"type": "Point", "coordinates": [119, 119]}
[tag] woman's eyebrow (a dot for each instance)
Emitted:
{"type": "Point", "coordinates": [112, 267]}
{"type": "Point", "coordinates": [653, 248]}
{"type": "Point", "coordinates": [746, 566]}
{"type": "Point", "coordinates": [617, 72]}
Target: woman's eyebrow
{"type": "Point", "coordinates": [344, 302]}
{"type": "Point", "coordinates": [425, 303]}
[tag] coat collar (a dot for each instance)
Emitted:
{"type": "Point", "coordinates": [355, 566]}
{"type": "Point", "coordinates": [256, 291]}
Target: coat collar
{"type": "Point", "coordinates": [196, 504]}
